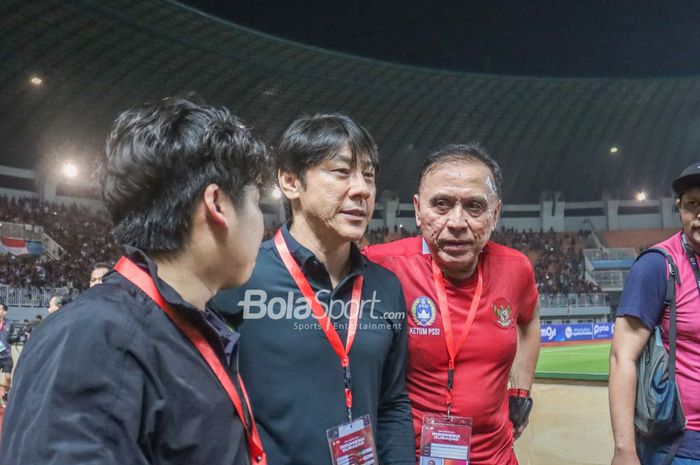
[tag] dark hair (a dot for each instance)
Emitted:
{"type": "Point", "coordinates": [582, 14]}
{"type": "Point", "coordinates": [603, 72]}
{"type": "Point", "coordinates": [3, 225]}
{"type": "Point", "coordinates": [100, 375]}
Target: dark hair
{"type": "Point", "coordinates": [97, 265]}
{"type": "Point", "coordinates": [4, 307]}
{"type": "Point", "coordinates": [310, 140]}
{"type": "Point", "coordinates": [159, 159]}
{"type": "Point", "coordinates": [464, 152]}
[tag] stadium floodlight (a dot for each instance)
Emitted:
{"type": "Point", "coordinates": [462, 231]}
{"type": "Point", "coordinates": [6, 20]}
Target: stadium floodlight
{"type": "Point", "coordinates": [36, 81]}
{"type": "Point", "coordinates": [613, 149]}
{"type": "Point", "coordinates": [69, 170]}
{"type": "Point", "coordinates": [276, 194]}
{"type": "Point", "coordinates": [641, 196]}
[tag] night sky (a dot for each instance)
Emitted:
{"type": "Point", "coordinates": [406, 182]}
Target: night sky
{"type": "Point", "coordinates": [611, 38]}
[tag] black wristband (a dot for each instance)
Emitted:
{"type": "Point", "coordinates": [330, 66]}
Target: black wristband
{"type": "Point", "coordinates": [519, 408]}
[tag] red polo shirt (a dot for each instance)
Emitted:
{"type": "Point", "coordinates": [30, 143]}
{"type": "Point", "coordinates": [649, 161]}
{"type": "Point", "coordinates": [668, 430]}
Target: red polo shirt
{"type": "Point", "coordinates": [509, 297]}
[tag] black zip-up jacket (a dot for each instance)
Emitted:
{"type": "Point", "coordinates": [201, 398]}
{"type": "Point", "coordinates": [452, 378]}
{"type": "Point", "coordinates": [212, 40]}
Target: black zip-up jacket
{"type": "Point", "coordinates": [293, 376]}
{"type": "Point", "coordinates": [110, 379]}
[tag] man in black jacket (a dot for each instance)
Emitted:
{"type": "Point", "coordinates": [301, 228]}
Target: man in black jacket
{"type": "Point", "coordinates": [326, 171]}
{"type": "Point", "coordinates": [115, 376]}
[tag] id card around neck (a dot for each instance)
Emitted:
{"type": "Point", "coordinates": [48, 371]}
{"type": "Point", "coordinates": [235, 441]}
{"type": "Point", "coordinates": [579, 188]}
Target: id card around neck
{"type": "Point", "coordinates": [445, 440]}
{"type": "Point", "coordinates": [352, 443]}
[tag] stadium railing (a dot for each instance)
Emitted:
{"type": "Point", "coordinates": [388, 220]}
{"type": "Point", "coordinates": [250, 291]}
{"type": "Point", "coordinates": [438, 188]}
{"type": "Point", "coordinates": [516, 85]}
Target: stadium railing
{"type": "Point", "coordinates": [32, 297]}
{"type": "Point", "coordinates": [554, 306]}
{"type": "Point", "coordinates": [609, 259]}
{"type": "Point", "coordinates": [610, 254]}
{"type": "Point", "coordinates": [32, 232]}
{"type": "Point", "coordinates": [574, 300]}
{"type": "Point", "coordinates": [610, 278]}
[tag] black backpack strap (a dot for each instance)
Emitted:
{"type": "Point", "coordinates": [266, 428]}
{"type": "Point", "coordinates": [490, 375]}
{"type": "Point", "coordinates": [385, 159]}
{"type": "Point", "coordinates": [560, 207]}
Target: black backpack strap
{"type": "Point", "coordinates": [670, 301]}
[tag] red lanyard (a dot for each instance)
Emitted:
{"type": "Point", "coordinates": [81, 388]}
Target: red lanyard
{"type": "Point", "coordinates": [452, 350]}
{"type": "Point", "coordinates": [143, 281]}
{"type": "Point", "coordinates": [322, 317]}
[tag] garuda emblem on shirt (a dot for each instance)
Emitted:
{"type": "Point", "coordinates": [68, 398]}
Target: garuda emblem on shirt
{"type": "Point", "coordinates": [504, 315]}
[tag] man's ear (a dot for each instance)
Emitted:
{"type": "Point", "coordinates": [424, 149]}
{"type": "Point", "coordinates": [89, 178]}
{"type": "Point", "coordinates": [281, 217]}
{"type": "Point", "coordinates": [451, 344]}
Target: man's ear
{"type": "Point", "coordinates": [290, 184]}
{"type": "Point", "coordinates": [214, 206]}
{"type": "Point", "coordinates": [416, 209]}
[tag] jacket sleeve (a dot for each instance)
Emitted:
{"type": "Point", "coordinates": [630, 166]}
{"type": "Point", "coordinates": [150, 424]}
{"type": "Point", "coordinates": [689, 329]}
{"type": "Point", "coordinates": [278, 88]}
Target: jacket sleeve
{"type": "Point", "coordinates": [395, 439]}
{"type": "Point", "coordinates": [77, 395]}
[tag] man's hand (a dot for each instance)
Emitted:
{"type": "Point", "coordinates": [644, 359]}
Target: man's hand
{"type": "Point", "coordinates": [522, 372]}
{"type": "Point", "coordinates": [517, 432]}
{"type": "Point", "coordinates": [519, 407]}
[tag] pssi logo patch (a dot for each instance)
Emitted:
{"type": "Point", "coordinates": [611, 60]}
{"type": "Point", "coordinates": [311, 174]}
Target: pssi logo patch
{"type": "Point", "coordinates": [423, 311]}
{"type": "Point", "coordinates": [502, 311]}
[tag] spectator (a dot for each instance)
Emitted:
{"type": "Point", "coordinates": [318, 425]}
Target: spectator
{"type": "Point", "coordinates": [83, 234]}
{"type": "Point", "coordinates": [98, 272]}
{"type": "Point", "coordinates": [56, 302]}
{"type": "Point", "coordinates": [6, 363]}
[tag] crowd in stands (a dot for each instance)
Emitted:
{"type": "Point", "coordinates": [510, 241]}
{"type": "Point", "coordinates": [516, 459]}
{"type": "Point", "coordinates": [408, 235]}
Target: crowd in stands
{"type": "Point", "coordinates": [86, 238]}
{"type": "Point", "coordinates": [557, 259]}
{"type": "Point", "coordinates": [382, 235]}
{"type": "Point", "coordinates": [84, 235]}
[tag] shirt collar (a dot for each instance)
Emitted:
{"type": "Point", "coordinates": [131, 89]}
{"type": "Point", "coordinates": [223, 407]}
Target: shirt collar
{"type": "Point", "coordinates": [308, 261]}
{"type": "Point", "coordinates": [146, 263]}
{"type": "Point", "coordinates": [228, 337]}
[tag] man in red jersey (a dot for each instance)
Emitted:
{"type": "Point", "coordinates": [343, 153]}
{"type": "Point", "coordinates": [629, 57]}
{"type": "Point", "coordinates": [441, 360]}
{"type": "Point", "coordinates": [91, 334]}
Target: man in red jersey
{"type": "Point", "coordinates": [484, 291]}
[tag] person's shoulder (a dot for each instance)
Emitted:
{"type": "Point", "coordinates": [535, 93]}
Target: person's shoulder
{"type": "Point", "coordinates": [650, 266]}
{"type": "Point", "coordinates": [226, 301]}
{"type": "Point", "coordinates": [102, 321]}
{"type": "Point", "coordinates": [267, 258]}
{"type": "Point", "coordinates": [644, 290]}
{"type": "Point", "coordinates": [111, 304]}
{"type": "Point", "coordinates": [652, 259]}
{"type": "Point", "coordinates": [267, 246]}
{"type": "Point", "coordinates": [401, 248]}
{"type": "Point", "coordinates": [378, 271]}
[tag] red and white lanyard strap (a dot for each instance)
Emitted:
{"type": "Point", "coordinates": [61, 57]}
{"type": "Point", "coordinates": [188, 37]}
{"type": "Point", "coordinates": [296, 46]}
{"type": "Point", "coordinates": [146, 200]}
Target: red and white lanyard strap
{"type": "Point", "coordinates": [144, 281]}
{"type": "Point", "coordinates": [453, 349]}
{"type": "Point", "coordinates": [322, 317]}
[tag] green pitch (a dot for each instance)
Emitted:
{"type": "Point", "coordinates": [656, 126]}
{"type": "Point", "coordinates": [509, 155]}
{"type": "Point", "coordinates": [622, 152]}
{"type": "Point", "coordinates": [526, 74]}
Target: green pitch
{"type": "Point", "coordinates": [586, 361]}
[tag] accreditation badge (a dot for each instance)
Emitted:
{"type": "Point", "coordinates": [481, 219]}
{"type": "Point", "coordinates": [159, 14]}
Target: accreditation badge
{"type": "Point", "coordinates": [445, 440]}
{"type": "Point", "coordinates": [353, 443]}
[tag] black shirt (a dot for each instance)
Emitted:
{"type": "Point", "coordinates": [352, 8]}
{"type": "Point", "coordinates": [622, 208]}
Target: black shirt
{"type": "Point", "coordinates": [109, 378]}
{"type": "Point", "coordinates": [293, 376]}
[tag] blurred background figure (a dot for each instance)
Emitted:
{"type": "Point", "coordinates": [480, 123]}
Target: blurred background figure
{"type": "Point", "coordinates": [6, 363]}
{"type": "Point", "coordinates": [98, 272]}
{"type": "Point", "coordinates": [57, 302]}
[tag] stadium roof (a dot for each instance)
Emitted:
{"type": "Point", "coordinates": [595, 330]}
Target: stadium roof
{"type": "Point", "coordinates": [97, 58]}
